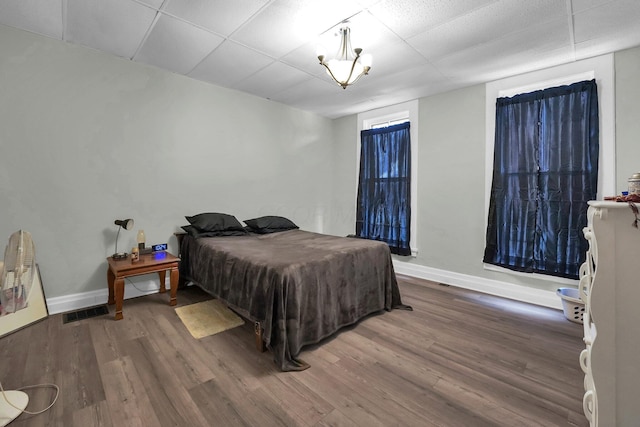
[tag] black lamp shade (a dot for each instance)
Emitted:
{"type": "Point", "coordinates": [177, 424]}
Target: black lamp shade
{"type": "Point", "coordinates": [127, 224]}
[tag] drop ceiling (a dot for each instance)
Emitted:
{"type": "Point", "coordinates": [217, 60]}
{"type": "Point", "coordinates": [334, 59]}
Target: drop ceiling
{"type": "Point", "coordinates": [268, 47]}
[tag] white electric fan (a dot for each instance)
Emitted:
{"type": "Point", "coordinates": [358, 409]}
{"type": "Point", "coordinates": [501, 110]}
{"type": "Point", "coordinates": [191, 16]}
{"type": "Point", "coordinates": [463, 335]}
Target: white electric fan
{"type": "Point", "coordinates": [18, 273]}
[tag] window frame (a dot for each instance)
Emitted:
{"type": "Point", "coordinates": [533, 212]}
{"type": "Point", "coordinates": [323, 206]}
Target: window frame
{"type": "Point", "coordinates": [408, 111]}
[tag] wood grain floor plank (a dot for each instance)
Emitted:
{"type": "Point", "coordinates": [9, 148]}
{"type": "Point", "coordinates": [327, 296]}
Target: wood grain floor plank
{"type": "Point", "coordinates": [188, 358]}
{"type": "Point", "coordinates": [336, 419]}
{"type": "Point", "coordinates": [239, 406]}
{"type": "Point", "coordinates": [418, 404]}
{"type": "Point", "coordinates": [170, 400]}
{"type": "Point", "coordinates": [408, 382]}
{"type": "Point", "coordinates": [332, 390]}
{"type": "Point", "coordinates": [77, 362]}
{"type": "Point", "coordinates": [461, 358]}
{"type": "Point", "coordinates": [217, 407]}
{"type": "Point", "coordinates": [127, 399]}
{"type": "Point", "coordinates": [98, 414]}
{"type": "Point", "coordinates": [480, 404]}
{"type": "Point", "coordinates": [500, 387]}
{"type": "Point", "coordinates": [298, 401]}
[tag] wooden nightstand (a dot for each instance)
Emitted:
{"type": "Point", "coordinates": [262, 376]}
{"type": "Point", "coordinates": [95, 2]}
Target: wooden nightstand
{"type": "Point", "coordinates": [158, 262]}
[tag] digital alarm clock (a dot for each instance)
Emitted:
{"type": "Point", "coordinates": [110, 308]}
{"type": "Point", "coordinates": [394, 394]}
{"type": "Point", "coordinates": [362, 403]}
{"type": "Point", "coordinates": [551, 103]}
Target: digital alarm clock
{"type": "Point", "coordinates": [159, 248]}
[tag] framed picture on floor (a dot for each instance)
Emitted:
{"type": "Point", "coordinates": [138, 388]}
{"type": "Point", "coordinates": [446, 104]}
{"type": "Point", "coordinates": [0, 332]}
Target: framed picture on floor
{"type": "Point", "coordinates": [20, 305]}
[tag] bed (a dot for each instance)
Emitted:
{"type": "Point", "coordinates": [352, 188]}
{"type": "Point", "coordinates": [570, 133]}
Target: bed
{"type": "Point", "coordinates": [298, 287]}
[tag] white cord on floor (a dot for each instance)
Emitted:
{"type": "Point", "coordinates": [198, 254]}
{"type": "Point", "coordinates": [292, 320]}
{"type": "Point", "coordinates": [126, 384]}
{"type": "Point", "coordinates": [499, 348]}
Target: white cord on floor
{"type": "Point", "coordinates": [140, 290]}
{"type": "Point", "coordinates": [30, 387]}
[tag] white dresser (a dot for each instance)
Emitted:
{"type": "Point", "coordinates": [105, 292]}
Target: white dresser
{"type": "Point", "coordinates": [610, 288]}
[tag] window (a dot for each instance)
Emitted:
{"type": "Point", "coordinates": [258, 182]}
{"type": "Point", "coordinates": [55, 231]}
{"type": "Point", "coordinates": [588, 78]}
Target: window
{"type": "Point", "coordinates": [389, 123]}
{"type": "Point", "coordinates": [390, 116]}
{"type": "Point", "coordinates": [601, 69]}
{"type": "Point", "coordinates": [545, 170]}
{"type": "Point", "coordinates": [384, 187]}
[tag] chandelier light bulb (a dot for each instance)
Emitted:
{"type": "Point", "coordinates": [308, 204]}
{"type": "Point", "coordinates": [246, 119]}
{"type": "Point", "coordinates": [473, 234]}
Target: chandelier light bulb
{"type": "Point", "coordinates": [366, 60]}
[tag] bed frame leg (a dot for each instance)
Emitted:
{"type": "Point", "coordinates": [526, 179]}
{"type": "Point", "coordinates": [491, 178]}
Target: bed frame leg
{"type": "Point", "coordinates": [258, 333]}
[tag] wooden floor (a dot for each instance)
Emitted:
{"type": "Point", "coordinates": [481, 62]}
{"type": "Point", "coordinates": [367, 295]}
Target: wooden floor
{"type": "Point", "coordinates": [459, 359]}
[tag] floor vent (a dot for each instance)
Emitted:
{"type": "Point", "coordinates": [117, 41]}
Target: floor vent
{"type": "Point", "coordinates": [85, 313]}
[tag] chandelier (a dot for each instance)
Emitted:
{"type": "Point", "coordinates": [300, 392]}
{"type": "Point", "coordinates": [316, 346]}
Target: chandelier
{"type": "Point", "coordinates": [348, 65]}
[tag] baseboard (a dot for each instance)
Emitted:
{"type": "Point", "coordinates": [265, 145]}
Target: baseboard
{"type": "Point", "coordinates": [488, 286]}
{"type": "Point", "coordinates": [72, 302]}
{"type": "Point", "coordinates": [541, 297]}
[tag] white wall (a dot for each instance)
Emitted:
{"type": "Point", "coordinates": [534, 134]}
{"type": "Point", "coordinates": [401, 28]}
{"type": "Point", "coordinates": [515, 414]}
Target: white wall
{"type": "Point", "coordinates": [342, 215]}
{"type": "Point", "coordinates": [451, 176]}
{"type": "Point", "coordinates": [627, 64]}
{"type": "Point", "coordinates": [86, 138]}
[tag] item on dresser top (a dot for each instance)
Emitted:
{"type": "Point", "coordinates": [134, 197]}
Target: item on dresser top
{"type": "Point", "coordinates": [159, 247]}
{"type": "Point", "coordinates": [633, 198]}
{"type": "Point", "coordinates": [141, 239]}
{"type": "Point", "coordinates": [634, 184]}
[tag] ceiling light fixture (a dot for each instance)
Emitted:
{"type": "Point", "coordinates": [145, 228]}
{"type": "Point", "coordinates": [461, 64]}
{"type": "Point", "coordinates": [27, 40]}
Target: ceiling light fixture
{"type": "Point", "coordinates": [349, 65]}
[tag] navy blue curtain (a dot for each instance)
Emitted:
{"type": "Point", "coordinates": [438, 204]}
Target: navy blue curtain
{"type": "Point", "coordinates": [545, 170]}
{"type": "Point", "coordinates": [384, 188]}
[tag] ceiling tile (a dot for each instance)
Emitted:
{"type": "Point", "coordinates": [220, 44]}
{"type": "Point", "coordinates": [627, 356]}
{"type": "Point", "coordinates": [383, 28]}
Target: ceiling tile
{"type": "Point", "coordinates": [305, 19]}
{"type": "Point", "coordinates": [272, 79]}
{"type": "Point", "coordinates": [305, 59]}
{"type": "Point", "coordinates": [512, 64]}
{"type": "Point", "coordinates": [368, 3]}
{"type": "Point", "coordinates": [606, 44]}
{"type": "Point", "coordinates": [309, 92]}
{"type": "Point", "coordinates": [177, 46]}
{"type": "Point", "coordinates": [402, 79]}
{"type": "Point", "coordinates": [582, 5]}
{"type": "Point", "coordinates": [330, 100]}
{"type": "Point", "coordinates": [515, 53]}
{"type": "Point", "coordinates": [612, 19]}
{"type": "Point", "coordinates": [410, 17]}
{"type": "Point", "coordinates": [115, 26]}
{"type": "Point", "coordinates": [154, 4]}
{"type": "Point", "coordinates": [324, 98]}
{"type": "Point", "coordinates": [229, 63]}
{"type": "Point", "coordinates": [495, 21]}
{"type": "Point", "coordinates": [38, 16]}
{"type": "Point", "coordinates": [366, 32]}
{"type": "Point", "coordinates": [220, 16]}
{"type": "Point", "coordinates": [393, 57]}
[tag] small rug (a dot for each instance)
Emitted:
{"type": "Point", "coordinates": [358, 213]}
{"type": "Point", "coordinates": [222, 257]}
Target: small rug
{"type": "Point", "coordinates": [207, 318]}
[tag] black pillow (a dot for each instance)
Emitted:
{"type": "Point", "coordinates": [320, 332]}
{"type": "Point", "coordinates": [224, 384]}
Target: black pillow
{"type": "Point", "coordinates": [211, 222]}
{"type": "Point", "coordinates": [270, 224]}
{"type": "Point", "coordinates": [193, 232]}
{"type": "Point", "coordinates": [190, 229]}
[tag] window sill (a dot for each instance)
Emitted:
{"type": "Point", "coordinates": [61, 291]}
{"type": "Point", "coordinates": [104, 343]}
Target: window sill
{"type": "Point", "coordinates": [538, 276]}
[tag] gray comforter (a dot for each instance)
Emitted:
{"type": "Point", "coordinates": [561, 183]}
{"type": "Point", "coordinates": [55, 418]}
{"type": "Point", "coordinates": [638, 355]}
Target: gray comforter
{"type": "Point", "coordinates": [301, 286]}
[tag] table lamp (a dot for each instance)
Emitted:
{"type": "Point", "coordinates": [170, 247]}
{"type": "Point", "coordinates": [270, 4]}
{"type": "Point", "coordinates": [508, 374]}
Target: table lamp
{"type": "Point", "coordinates": [127, 224]}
